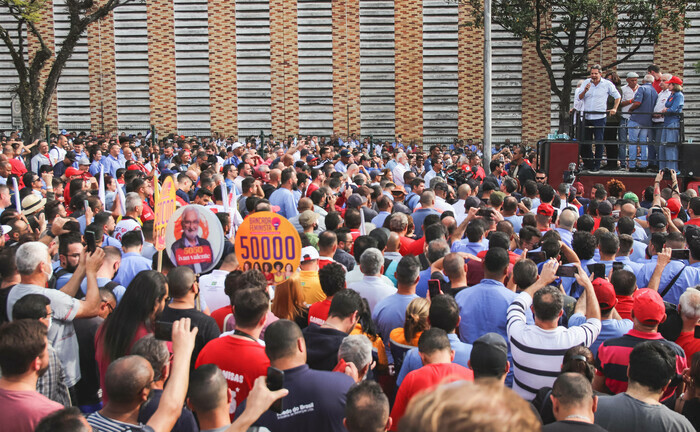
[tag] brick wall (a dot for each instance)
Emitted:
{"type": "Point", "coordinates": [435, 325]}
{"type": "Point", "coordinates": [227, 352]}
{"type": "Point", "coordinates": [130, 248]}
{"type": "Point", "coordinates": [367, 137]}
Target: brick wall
{"type": "Point", "coordinates": [346, 67]}
{"type": "Point", "coordinates": [669, 52]}
{"type": "Point", "coordinates": [536, 95]}
{"type": "Point", "coordinates": [409, 69]}
{"type": "Point", "coordinates": [223, 88]}
{"type": "Point", "coordinates": [284, 68]}
{"type": "Point", "coordinates": [471, 90]}
{"type": "Point", "coordinates": [45, 28]}
{"type": "Point", "coordinates": [161, 65]}
{"type": "Point", "coordinates": [103, 84]}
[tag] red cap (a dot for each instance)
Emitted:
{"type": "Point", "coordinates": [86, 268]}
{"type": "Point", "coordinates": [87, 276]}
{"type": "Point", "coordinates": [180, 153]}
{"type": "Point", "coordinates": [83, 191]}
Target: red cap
{"type": "Point", "coordinates": [605, 293]}
{"type": "Point", "coordinates": [674, 205]}
{"type": "Point", "coordinates": [674, 80]}
{"type": "Point", "coordinates": [648, 306]}
{"type": "Point", "coordinates": [545, 210]}
{"type": "Point", "coordinates": [70, 172]}
{"type": "Point", "coordinates": [133, 167]}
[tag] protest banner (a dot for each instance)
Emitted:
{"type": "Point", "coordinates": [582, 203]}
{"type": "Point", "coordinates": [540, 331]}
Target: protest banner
{"type": "Point", "coordinates": [194, 238]}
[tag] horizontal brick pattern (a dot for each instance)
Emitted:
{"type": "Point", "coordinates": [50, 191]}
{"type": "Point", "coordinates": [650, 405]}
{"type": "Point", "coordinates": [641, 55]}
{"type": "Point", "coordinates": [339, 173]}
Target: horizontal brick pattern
{"type": "Point", "coordinates": [284, 68]}
{"type": "Point", "coordinates": [103, 84]}
{"type": "Point", "coordinates": [346, 67]}
{"type": "Point", "coordinates": [536, 96]}
{"type": "Point", "coordinates": [161, 65]}
{"type": "Point", "coordinates": [409, 69]}
{"type": "Point", "coordinates": [669, 52]}
{"type": "Point", "coordinates": [223, 88]}
{"type": "Point", "coordinates": [471, 69]}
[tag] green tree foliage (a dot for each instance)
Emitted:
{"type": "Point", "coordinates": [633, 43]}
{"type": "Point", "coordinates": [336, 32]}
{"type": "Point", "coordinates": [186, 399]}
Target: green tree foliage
{"type": "Point", "coordinates": [35, 90]}
{"type": "Point", "coordinates": [576, 29]}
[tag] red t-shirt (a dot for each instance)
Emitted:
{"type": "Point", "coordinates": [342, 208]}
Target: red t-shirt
{"type": "Point", "coordinates": [147, 213]}
{"type": "Point", "coordinates": [220, 315]}
{"type": "Point", "coordinates": [690, 345]}
{"type": "Point", "coordinates": [318, 312]}
{"type": "Point", "coordinates": [23, 410]}
{"type": "Point", "coordinates": [694, 221]}
{"type": "Point", "coordinates": [322, 262]}
{"type": "Point", "coordinates": [423, 379]}
{"type": "Point", "coordinates": [103, 360]}
{"type": "Point", "coordinates": [240, 359]}
{"type": "Point", "coordinates": [405, 245]}
{"type": "Point", "coordinates": [309, 190]}
{"type": "Point", "coordinates": [416, 248]}
{"type": "Point", "coordinates": [624, 306]}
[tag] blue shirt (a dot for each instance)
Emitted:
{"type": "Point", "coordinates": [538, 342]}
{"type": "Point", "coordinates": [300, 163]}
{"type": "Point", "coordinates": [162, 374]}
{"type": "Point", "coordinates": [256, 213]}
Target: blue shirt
{"type": "Point", "coordinates": [390, 313]}
{"type": "Point", "coordinates": [62, 280]}
{"type": "Point", "coordinates": [566, 235]}
{"type": "Point", "coordinates": [111, 241]}
{"type": "Point", "coordinates": [469, 247]}
{"type": "Point", "coordinates": [639, 252]}
{"type": "Point", "coordinates": [111, 165]}
{"type": "Point", "coordinates": [483, 308]}
{"type": "Point", "coordinates": [635, 266]}
{"type": "Point", "coordinates": [689, 278]}
{"type": "Point", "coordinates": [379, 219]}
{"type": "Point", "coordinates": [95, 168]}
{"type": "Point", "coordinates": [674, 104]}
{"type": "Point", "coordinates": [132, 264]}
{"type": "Point", "coordinates": [610, 329]}
{"type": "Point", "coordinates": [412, 360]}
{"type": "Point", "coordinates": [284, 199]}
{"type": "Point", "coordinates": [669, 272]}
{"type": "Point", "coordinates": [418, 218]}
{"type": "Point", "coordinates": [422, 287]}
{"type": "Point", "coordinates": [517, 222]}
{"type": "Point", "coordinates": [646, 95]}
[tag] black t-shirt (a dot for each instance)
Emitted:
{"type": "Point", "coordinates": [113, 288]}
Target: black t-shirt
{"type": "Point", "coordinates": [208, 329]}
{"type": "Point", "coordinates": [572, 426]}
{"type": "Point", "coordinates": [322, 346]}
{"type": "Point", "coordinates": [87, 389]}
{"type": "Point", "coordinates": [691, 411]}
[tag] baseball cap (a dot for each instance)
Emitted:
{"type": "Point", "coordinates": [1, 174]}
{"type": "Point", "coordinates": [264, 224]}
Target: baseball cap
{"type": "Point", "coordinates": [604, 208]}
{"type": "Point", "coordinates": [236, 145]}
{"type": "Point", "coordinates": [470, 202]}
{"type": "Point", "coordinates": [631, 196]}
{"type": "Point", "coordinates": [545, 210]}
{"type": "Point", "coordinates": [70, 154]}
{"type": "Point", "coordinates": [632, 75]}
{"type": "Point", "coordinates": [6, 229]}
{"type": "Point", "coordinates": [674, 80]}
{"type": "Point", "coordinates": [657, 220]}
{"type": "Point", "coordinates": [605, 293]}
{"type": "Point", "coordinates": [307, 218]}
{"type": "Point", "coordinates": [84, 161]}
{"type": "Point", "coordinates": [345, 153]}
{"type": "Point", "coordinates": [309, 253]}
{"type": "Point", "coordinates": [32, 204]}
{"type": "Point", "coordinates": [70, 172]}
{"type": "Point", "coordinates": [489, 354]}
{"type": "Point", "coordinates": [674, 205]}
{"type": "Point", "coordinates": [398, 190]}
{"type": "Point", "coordinates": [356, 200]}
{"type": "Point", "coordinates": [648, 306]}
{"type": "Point", "coordinates": [311, 158]}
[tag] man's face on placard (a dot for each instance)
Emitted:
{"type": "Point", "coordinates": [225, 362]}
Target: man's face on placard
{"type": "Point", "coordinates": [190, 225]}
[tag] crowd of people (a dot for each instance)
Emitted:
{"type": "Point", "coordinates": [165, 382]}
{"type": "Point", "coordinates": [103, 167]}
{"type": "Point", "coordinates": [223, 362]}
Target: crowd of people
{"type": "Point", "coordinates": [429, 294]}
{"type": "Point", "coordinates": [634, 127]}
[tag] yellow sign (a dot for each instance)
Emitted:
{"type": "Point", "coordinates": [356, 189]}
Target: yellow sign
{"type": "Point", "coordinates": [268, 242]}
{"type": "Point", "coordinates": [165, 207]}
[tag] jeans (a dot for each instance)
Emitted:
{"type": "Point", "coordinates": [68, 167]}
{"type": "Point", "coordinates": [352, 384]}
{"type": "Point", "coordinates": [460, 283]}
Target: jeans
{"type": "Point", "coordinates": [638, 134]}
{"type": "Point", "coordinates": [622, 138]}
{"type": "Point", "coordinates": [593, 130]}
{"type": "Point", "coordinates": [655, 137]}
{"type": "Point", "coordinates": [670, 136]}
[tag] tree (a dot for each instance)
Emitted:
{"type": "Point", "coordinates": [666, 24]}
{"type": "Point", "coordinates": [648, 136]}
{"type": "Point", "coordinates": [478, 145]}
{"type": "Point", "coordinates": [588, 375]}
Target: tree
{"type": "Point", "coordinates": [36, 89]}
{"type": "Point", "coordinates": [574, 29]}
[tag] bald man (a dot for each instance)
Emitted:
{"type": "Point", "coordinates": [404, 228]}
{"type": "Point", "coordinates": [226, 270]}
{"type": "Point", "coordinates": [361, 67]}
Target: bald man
{"type": "Point", "coordinates": [304, 204]}
{"type": "Point", "coordinates": [128, 385]}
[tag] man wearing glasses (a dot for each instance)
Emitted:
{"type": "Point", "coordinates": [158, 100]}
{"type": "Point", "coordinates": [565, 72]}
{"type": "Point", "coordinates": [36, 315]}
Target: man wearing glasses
{"type": "Point", "coordinates": [541, 177]}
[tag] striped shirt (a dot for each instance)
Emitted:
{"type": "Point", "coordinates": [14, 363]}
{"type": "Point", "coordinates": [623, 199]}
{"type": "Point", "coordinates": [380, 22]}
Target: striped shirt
{"type": "Point", "coordinates": [104, 424]}
{"type": "Point", "coordinates": [538, 353]}
{"type": "Point", "coordinates": [614, 357]}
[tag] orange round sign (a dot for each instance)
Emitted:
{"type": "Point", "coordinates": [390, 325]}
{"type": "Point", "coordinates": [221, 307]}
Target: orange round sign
{"type": "Point", "coordinates": [268, 242]}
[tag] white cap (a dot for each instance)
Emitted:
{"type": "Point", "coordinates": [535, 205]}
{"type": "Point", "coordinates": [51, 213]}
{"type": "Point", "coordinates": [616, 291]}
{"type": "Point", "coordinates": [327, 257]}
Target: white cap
{"type": "Point", "coordinates": [309, 253]}
{"type": "Point", "coordinates": [6, 229]}
{"type": "Point", "coordinates": [236, 145]}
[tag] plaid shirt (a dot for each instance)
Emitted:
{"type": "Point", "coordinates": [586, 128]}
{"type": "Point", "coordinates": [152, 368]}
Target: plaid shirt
{"type": "Point", "coordinates": [52, 384]}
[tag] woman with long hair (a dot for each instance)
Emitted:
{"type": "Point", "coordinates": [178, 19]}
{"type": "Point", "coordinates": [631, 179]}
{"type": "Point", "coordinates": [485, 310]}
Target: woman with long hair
{"type": "Point", "coordinates": [133, 318]}
{"type": "Point", "coordinates": [414, 325]}
{"type": "Point", "coordinates": [289, 301]}
{"type": "Point", "coordinates": [688, 403]}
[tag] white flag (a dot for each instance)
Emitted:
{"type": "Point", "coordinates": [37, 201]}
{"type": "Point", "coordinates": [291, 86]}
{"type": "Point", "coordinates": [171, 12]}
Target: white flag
{"type": "Point", "coordinates": [122, 200]}
{"type": "Point", "coordinates": [101, 191]}
{"type": "Point", "coordinates": [18, 204]}
{"type": "Point", "coordinates": [363, 230]}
